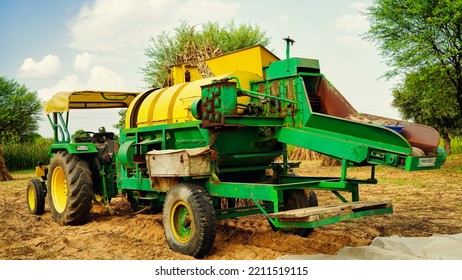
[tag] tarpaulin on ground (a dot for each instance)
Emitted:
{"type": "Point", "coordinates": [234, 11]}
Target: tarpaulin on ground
{"type": "Point", "coordinates": [436, 247]}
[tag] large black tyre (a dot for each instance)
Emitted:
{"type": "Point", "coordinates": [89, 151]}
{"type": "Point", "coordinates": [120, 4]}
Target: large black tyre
{"type": "Point", "coordinates": [189, 220]}
{"type": "Point", "coordinates": [295, 199]}
{"type": "Point", "coordinates": [70, 189]}
{"type": "Point", "coordinates": [35, 197]}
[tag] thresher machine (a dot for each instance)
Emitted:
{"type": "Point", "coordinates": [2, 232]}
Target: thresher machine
{"type": "Point", "coordinates": [191, 149]}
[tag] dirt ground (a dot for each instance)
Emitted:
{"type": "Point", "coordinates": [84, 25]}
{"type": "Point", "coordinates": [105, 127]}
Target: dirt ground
{"type": "Point", "coordinates": [425, 203]}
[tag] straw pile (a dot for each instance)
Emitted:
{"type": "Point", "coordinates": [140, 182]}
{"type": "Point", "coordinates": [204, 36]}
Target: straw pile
{"type": "Point", "coordinates": [305, 154]}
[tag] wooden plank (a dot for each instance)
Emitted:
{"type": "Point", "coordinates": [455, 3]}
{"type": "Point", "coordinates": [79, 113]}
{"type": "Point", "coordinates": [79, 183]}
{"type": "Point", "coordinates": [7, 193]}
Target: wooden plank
{"type": "Point", "coordinates": [310, 213]}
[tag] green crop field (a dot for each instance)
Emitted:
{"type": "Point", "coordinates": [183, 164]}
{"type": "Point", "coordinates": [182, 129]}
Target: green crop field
{"type": "Point", "coordinates": [24, 156]}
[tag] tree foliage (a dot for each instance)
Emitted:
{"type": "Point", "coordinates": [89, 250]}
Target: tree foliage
{"type": "Point", "coordinates": [19, 111]}
{"type": "Point", "coordinates": [428, 97]}
{"type": "Point", "coordinates": [421, 40]}
{"type": "Point", "coordinates": [121, 123]}
{"type": "Point", "coordinates": [77, 133]}
{"type": "Point", "coordinates": [192, 44]}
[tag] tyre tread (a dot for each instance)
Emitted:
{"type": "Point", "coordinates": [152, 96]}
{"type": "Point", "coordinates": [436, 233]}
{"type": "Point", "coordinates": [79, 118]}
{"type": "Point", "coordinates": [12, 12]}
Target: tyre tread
{"type": "Point", "coordinates": [39, 196]}
{"type": "Point", "coordinates": [202, 203]}
{"type": "Point", "coordinates": [80, 186]}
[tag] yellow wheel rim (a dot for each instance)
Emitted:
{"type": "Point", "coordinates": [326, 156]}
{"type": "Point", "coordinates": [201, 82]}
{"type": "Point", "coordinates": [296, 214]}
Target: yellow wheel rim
{"type": "Point", "coordinates": [31, 195]}
{"type": "Point", "coordinates": [59, 189]}
{"type": "Point", "coordinates": [181, 222]}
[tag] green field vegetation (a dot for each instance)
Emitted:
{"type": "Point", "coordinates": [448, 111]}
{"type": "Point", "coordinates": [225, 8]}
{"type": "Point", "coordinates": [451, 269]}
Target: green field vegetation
{"type": "Point", "coordinates": [24, 156]}
{"type": "Point", "coordinates": [456, 145]}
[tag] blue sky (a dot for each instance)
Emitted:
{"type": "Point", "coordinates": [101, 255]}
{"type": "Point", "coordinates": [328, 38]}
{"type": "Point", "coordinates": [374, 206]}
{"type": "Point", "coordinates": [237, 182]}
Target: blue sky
{"type": "Point", "coordinates": [53, 45]}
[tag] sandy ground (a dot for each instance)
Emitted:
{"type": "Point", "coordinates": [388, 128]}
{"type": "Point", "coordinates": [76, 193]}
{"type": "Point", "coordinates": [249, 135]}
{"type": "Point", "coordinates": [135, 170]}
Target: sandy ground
{"type": "Point", "coordinates": [425, 203]}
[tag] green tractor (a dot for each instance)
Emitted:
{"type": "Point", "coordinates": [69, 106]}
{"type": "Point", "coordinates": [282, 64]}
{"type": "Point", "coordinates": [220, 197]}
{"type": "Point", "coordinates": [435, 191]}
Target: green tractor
{"type": "Point", "coordinates": [81, 170]}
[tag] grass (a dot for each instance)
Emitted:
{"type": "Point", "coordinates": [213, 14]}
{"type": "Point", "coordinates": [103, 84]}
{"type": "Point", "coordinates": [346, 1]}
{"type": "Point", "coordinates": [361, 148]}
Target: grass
{"type": "Point", "coordinates": [456, 145]}
{"type": "Point", "coordinates": [22, 172]}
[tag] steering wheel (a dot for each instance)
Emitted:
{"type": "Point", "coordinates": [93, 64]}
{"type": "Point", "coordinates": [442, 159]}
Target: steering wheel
{"type": "Point", "coordinates": [80, 138]}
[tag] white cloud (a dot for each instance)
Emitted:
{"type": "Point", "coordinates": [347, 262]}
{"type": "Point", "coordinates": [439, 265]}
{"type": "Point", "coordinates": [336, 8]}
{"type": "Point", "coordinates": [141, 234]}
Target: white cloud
{"type": "Point", "coordinates": [350, 27]}
{"type": "Point", "coordinates": [352, 23]}
{"type": "Point", "coordinates": [284, 17]}
{"type": "Point", "coordinates": [125, 26]}
{"type": "Point", "coordinates": [102, 78]}
{"type": "Point", "coordinates": [359, 6]}
{"type": "Point", "coordinates": [68, 83]}
{"type": "Point", "coordinates": [354, 42]}
{"type": "Point", "coordinates": [355, 21]}
{"type": "Point", "coordinates": [83, 61]}
{"type": "Point", "coordinates": [45, 68]}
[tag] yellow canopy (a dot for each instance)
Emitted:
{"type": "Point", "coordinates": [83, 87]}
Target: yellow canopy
{"type": "Point", "coordinates": [63, 101]}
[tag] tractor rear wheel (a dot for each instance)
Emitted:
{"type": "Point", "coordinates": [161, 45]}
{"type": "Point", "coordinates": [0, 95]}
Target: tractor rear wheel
{"type": "Point", "coordinates": [295, 199]}
{"type": "Point", "coordinates": [189, 220]}
{"type": "Point", "coordinates": [35, 197]}
{"type": "Point", "coordinates": [69, 189]}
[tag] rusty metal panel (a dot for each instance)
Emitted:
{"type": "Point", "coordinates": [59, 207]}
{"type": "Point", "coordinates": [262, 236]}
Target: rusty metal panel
{"type": "Point", "coordinates": [419, 136]}
{"type": "Point", "coordinates": [163, 184]}
{"type": "Point", "coordinates": [332, 101]}
{"type": "Point", "coordinates": [179, 163]}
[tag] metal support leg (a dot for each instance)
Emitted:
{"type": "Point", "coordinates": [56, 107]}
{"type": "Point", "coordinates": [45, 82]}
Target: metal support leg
{"type": "Point", "coordinates": [372, 172]}
{"type": "Point", "coordinates": [344, 169]}
{"type": "Point", "coordinates": [102, 173]}
{"type": "Point", "coordinates": [164, 140]}
{"type": "Point", "coordinates": [355, 193]}
{"type": "Point", "coordinates": [339, 196]}
{"type": "Point", "coordinates": [284, 160]}
{"type": "Point", "coordinates": [272, 220]}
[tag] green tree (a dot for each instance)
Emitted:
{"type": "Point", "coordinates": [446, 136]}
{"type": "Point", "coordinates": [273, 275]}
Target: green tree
{"type": "Point", "coordinates": [414, 36]}
{"type": "Point", "coordinates": [19, 111]}
{"type": "Point", "coordinates": [193, 44]}
{"type": "Point", "coordinates": [77, 133]}
{"type": "Point", "coordinates": [121, 123]}
{"type": "Point", "coordinates": [427, 97]}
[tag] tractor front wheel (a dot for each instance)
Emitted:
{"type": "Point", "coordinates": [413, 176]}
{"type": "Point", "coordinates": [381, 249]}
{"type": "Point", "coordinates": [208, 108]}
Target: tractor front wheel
{"type": "Point", "coordinates": [35, 197]}
{"type": "Point", "coordinates": [70, 189]}
{"type": "Point", "coordinates": [189, 220]}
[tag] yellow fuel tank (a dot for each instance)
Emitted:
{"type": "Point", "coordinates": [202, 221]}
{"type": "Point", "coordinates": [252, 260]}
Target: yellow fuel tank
{"type": "Point", "coordinates": [172, 104]}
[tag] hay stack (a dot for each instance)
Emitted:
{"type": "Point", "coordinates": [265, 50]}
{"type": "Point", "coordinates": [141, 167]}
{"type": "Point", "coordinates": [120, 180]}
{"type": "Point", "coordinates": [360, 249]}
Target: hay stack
{"type": "Point", "coordinates": [327, 161]}
{"type": "Point", "coordinates": [305, 154]}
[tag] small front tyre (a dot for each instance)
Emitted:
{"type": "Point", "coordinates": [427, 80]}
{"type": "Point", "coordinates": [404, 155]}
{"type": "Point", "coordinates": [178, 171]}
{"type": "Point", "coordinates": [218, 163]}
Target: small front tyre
{"type": "Point", "coordinates": [35, 197]}
{"type": "Point", "coordinates": [189, 220]}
